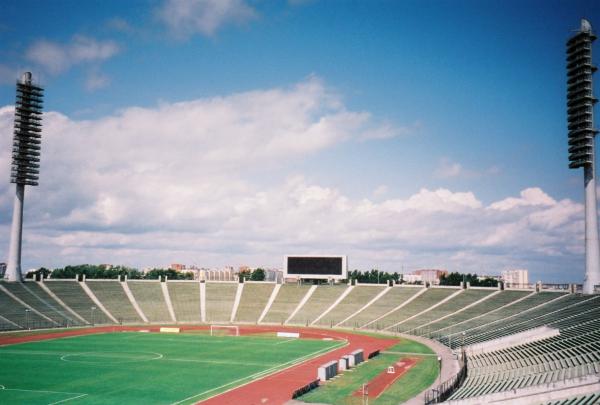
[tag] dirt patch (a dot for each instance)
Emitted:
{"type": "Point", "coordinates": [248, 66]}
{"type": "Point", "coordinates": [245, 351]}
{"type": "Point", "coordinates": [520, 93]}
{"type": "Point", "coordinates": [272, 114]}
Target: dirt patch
{"type": "Point", "coordinates": [386, 378]}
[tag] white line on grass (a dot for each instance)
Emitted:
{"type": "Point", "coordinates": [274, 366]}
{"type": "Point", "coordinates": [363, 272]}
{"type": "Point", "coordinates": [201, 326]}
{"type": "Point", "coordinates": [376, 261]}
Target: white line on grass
{"type": "Point", "coordinates": [234, 363]}
{"type": "Point", "coordinates": [68, 399]}
{"type": "Point", "coordinates": [78, 394]}
{"type": "Point", "coordinates": [285, 341]}
{"type": "Point", "coordinates": [120, 359]}
{"type": "Point", "coordinates": [266, 372]}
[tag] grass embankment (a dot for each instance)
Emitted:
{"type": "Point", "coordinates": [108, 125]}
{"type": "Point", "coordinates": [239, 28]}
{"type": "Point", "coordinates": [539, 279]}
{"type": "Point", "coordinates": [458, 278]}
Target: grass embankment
{"type": "Point", "coordinates": [417, 379]}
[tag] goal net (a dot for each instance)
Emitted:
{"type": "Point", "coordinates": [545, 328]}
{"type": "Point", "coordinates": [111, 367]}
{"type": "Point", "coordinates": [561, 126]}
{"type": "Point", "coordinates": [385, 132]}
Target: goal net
{"type": "Point", "coordinates": [221, 330]}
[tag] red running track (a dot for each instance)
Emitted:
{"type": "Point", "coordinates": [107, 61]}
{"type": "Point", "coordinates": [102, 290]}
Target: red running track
{"type": "Point", "coordinates": [278, 388]}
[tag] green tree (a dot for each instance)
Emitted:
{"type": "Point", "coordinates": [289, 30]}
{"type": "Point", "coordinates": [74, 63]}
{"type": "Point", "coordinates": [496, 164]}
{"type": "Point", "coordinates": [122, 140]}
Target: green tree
{"type": "Point", "coordinates": [34, 274]}
{"type": "Point", "coordinates": [244, 275]}
{"type": "Point", "coordinates": [258, 275]}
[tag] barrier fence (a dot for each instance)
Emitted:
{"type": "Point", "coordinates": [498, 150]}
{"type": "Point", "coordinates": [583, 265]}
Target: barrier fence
{"type": "Point", "coordinates": [443, 391]}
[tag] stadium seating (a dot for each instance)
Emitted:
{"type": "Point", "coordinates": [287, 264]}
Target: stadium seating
{"type": "Point", "coordinates": [35, 297]}
{"type": "Point", "coordinates": [113, 297]}
{"type": "Point", "coordinates": [323, 297]}
{"type": "Point", "coordinates": [493, 303]}
{"type": "Point", "coordinates": [393, 298]}
{"type": "Point", "coordinates": [528, 318]}
{"type": "Point", "coordinates": [423, 302]}
{"type": "Point", "coordinates": [185, 298]}
{"type": "Point", "coordinates": [574, 353]}
{"type": "Point", "coordinates": [219, 301]}
{"type": "Point", "coordinates": [150, 298]}
{"type": "Point", "coordinates": [531, 301]}
{"type": "Point", "coordinates": [253, 301]}
{"type": "Point", "coordinates": [355, 300]}
{"type": "Point", "coordinates": [589, 399]}
{"type": "Point", "coordinates": [287, 300]}
{"type": "Point", "coordinates": [16, 316]}
{"type": "Point", "coordinates": [462, 300]}
{"type": "Point", "coordinates": [71, 293]}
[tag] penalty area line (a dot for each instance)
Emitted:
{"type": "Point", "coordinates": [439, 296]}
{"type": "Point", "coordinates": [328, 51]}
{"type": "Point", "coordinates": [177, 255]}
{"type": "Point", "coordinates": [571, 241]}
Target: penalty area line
{"type": "Point", "coordinates": [77, 394]}
{"type": "Point", "coordinates": [265, 373]}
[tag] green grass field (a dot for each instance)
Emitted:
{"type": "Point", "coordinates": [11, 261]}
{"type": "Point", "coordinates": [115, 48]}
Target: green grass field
{"type": "Point", "coordinates": [142, 368]}
{"type": "Point", "coordinates": [417, 379]}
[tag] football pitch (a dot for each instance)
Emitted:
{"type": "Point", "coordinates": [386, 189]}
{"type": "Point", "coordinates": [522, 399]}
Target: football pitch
{"type": "Point", "coordinates": [143, 368]}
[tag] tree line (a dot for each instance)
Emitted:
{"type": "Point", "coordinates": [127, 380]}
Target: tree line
{"type": "Point", "coordinates": [374, 276]}
{"type": "Point", "coordinates": [93, 271]}
{"type": "Point", "coordinates": [456, 278]}
{"type": "Point", "coordinates": [253, 275]}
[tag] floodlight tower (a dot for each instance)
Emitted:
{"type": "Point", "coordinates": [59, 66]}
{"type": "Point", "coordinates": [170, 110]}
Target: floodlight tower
{"type": "Point", "coordinates": [25, 167]}
{"type": "Point", "coordinates": [580, 112]}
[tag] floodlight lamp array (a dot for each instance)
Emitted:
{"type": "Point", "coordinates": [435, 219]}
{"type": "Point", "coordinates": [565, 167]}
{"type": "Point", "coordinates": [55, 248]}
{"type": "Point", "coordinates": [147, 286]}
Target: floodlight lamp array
{"type": "Point", "coordinates": [580, 98]}
{"type": "Point", "coordinates": [27, 134]}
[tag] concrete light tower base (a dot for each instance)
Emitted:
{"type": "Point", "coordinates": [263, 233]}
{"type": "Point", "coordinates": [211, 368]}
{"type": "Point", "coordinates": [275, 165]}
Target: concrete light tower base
{"type": "Point", "coordinates": [592, 248]}
{"type": "Point", "coordinates": [13, 266]}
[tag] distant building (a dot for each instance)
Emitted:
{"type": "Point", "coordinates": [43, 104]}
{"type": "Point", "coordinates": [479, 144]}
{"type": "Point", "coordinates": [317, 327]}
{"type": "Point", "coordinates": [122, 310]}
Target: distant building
{"type": "Point", "coordinates": [412, 278]}
{"type": "Point", "coordinates": [177, 266]}
{"type": "Point", "coordinates": [224, 274]}
{"type": "Point", "coordinates": [515, 277]}
{"type": "Point", "coordinates": [492, 277]}
{"type": "Point", "coordinates": [274, 275]}
{"type": "Point", "coordinates": [431, 276]}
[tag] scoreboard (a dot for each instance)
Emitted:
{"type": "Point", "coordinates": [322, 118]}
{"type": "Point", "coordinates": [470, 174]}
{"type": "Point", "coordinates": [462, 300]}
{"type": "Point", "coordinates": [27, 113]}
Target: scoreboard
{"type": "Point", "coordinates": [316, 267]}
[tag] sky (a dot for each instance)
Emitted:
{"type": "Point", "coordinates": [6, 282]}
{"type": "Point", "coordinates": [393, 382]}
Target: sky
{"type": "Point", "coordinates": [404, 134]}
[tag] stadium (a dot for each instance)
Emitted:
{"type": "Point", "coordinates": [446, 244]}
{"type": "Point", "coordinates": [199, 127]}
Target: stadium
{"type": "Point", "coordinates": [317, 334]}
{"type": "Point", "coordinates": [535, 344]}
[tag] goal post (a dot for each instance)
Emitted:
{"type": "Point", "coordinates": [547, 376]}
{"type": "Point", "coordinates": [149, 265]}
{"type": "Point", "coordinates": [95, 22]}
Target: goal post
{"type": "Point", "coordinates": [228, 329]}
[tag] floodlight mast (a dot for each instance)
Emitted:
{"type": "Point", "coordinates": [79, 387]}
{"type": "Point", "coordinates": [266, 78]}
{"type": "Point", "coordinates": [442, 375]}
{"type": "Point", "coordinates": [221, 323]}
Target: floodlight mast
{"type": "Point", "coordinates": [580, 114]}
{"type": "Point", "coordinates": [25, 167]}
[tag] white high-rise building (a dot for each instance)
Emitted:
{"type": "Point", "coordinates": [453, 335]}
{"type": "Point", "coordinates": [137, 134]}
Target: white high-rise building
{"type": "Point", "coordinates": [515, 277]}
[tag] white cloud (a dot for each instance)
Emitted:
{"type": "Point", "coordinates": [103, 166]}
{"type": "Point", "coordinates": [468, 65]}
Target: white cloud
{"type": "Point", "coordinates": [183, 182]}
{"type": "Point", "coordinates": [184, 18]}
{"type": "Point", "coordinates": [56, 58]}
{"type": "Point", "coordinates": [529, 196]}
{"type": "Point", "coordinates": [96, 80]}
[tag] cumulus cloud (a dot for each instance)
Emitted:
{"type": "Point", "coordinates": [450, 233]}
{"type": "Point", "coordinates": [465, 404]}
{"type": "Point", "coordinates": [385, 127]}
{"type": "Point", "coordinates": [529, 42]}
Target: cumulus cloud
{"type": "Point", "coordinates": [188, 17]}
{"type": "Point", "coordinates": [183, 182]}
{"type": "Point", "coordinates": [57, 58]}
{"type": "Point", "coordinates": [530, 196]}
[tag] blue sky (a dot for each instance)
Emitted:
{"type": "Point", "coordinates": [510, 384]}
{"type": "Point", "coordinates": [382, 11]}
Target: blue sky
{"type": "Point", "coordinates": [374, 115]}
